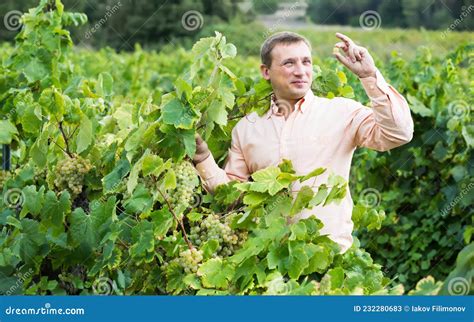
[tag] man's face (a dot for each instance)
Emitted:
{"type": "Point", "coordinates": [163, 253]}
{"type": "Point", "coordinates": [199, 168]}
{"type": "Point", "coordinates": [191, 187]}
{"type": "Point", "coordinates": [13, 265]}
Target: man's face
{"type": "Point", "coordinates": [291, 71]}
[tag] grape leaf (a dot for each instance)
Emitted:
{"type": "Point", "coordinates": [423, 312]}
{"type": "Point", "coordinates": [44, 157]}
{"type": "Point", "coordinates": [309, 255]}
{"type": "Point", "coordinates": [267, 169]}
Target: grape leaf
{"type": "Point", "coordinates": [265, 180]}
{"type": "Point", "coordinates": [54, 210]}
{"type": "Point", "coordinates": [303, 197]}
{"type": "Point", "coordinates": [152, 164]}
{"type": "Point", "coordinates": [319, 197]}
{"type": "Point", "coordinates": [426, 286]}
{"type": "Point", "coordinates": [298, 231]}
{"type": "Point", "coordinates": [35, 70]}
{"type": "Point", "coordinates": [112, 180]}
{"type": "Point", "coordinates": [277, 257]}
{"type": "Point", "coordinates": [179, 115]}
{"type": "Point", "coordinates": [39, 149]}
{"type": "Point", "coordinates": [84, 136]}
{"type": "Point", "coordinates": [81, 229]}
{"type": "Point", "coordinates": [418, 107]}
{"type": "Point", "coordinates": [297, 259]}
{"type": "Point", "coordinates": [162, 221]}
{"type": "Point", "coordinates": [217, 112]}
{"type": "Point", "coordinates": [314, 173]}
{"type": "Point", "coordinates": [336, 277]}
{"type": "Point", "coordinates": [143, 240]}
{"type": "Point", "coordinates": [30, 240]}
{"type": "Point", "coordinates": [201, 47]}
{"type": "Point", "coordinates": [209, 247]}
{"type": "Point", "coordinates": [33, 199]}
{"type": "Point", "coordinates": [141, 200]}
{"type": "Point", "coordinates": [215, 273]}
{"type": "Point", "coordinates": [105, 84]}
{"type": "Point", "coordinates": [286, 166]}
{"type": "Point", "coordinates": [319, 258]}
{"type": "Point", "coordinates": [7, 132]}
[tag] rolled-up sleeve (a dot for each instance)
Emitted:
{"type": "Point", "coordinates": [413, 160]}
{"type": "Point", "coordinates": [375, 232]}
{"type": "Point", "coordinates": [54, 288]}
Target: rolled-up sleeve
{"type": "Point", "coordinates": [235, 167]}
{"type": "Point", "coordinates": [388, 124]}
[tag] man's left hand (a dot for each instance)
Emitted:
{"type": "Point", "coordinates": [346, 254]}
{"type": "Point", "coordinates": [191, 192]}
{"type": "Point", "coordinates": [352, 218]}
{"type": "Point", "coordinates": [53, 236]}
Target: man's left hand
{"type": "Point", "coordinates": [357, 59]}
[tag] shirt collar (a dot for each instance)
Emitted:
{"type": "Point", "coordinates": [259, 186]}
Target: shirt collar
{"type": "Point", "coordinates": [301, 105]}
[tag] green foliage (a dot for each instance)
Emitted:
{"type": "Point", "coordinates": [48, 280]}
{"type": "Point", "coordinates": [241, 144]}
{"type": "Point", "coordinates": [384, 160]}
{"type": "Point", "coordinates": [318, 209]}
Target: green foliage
{"type": "Point", "coordinates": [425, 187]}
{"type": "Point", "coordinates": [461, 280]}
{"type": "Point", "coordinates": [103, 188]}
{"type": "Point", "coordinates": [265, 7]}
{"type": "Point", "coordinates": [129, 121]}
{"type": "Point", "coordinates": [404, 13]}
{"type": "Point", "coordinates": [121, 24]}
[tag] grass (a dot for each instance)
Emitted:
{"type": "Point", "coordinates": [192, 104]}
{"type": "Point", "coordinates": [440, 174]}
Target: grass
{"type": "Point", "coordinates": [380, 42]}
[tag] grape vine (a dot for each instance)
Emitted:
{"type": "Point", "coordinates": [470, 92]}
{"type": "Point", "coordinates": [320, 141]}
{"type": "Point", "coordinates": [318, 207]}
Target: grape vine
{"type": "Point", "coordinates": [101, 144]}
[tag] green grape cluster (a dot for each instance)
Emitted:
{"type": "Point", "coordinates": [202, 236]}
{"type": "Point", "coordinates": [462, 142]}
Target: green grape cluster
{"type": "Point", "coordinates": [186, 180]}
{"type": "Point", "coordinates": [4, 176]}
{"type": "Point", "coordinates": [40, 175]}
{"type": "Point", "coordinates": [188, 259]}
{"type": "Point", "coordinates": [212, 228]}
{"type": "Point", "coordinates": [149, 182]}
{"type": "Point", "coordinates": [70, 174]}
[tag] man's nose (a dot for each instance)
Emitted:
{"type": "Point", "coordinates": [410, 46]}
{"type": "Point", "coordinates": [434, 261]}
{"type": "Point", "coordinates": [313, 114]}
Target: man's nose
{"type": "Point", "coordinates": [299, 70]}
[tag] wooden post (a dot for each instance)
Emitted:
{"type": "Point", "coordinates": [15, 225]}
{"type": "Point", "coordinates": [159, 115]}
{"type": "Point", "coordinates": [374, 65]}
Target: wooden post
{"type": "Point", "coordinates": [6, 157]}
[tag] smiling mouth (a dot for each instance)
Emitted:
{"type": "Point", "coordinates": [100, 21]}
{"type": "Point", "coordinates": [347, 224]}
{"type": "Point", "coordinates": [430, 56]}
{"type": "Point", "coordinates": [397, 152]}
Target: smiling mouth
{"type": "Point", "coordinates": [298, 82]}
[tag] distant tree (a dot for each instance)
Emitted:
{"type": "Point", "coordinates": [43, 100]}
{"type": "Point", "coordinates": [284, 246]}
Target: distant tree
{"type": "Point", "coordinates": [431, 14]}
{"type": "Point", "coordinates": [121, 23]}
{"type": "Point", "coordinates": [391, 12]}
{"type": "Point", "coordinates": [265, 6]}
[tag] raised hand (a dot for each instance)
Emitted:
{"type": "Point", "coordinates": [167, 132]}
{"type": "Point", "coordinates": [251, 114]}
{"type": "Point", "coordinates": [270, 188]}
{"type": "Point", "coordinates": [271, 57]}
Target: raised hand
{"type": "Point", "coordinates": [356, 58]}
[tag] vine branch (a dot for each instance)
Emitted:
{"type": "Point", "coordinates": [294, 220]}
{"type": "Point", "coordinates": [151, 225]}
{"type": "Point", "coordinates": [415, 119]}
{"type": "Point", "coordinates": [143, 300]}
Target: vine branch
{"type": "Point", "coordinates": [68, 151]}
{"type": "Point", "coordinates": [180, 222]}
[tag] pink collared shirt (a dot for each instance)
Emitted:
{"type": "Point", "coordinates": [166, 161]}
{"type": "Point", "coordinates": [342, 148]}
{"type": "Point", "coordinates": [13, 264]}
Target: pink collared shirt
{"type": "Point", "coordinates": [320, 132]}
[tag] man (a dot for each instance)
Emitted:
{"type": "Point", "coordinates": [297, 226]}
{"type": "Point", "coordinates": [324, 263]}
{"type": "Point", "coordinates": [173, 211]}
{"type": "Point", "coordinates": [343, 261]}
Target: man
{"type": "Point", "coordinates": [312, 131]}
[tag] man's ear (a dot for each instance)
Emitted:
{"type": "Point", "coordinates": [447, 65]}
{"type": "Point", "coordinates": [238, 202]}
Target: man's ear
{"type": "Point", "coordinates": [265, 71]}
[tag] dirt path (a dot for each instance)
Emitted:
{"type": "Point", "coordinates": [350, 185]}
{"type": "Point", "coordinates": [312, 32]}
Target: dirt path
{"type": "Point", "coordinates": [292, 16]}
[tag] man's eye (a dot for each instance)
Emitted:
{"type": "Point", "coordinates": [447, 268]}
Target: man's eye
{"type": "Point", "coordinates": [307, 62]}
{"type": "Point", "coordinates": [288, 63]}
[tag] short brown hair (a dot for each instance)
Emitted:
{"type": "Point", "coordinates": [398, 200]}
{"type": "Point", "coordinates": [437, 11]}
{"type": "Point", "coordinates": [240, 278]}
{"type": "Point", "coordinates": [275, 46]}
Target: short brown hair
{"type": "Point", "coordinates": [284, 37]}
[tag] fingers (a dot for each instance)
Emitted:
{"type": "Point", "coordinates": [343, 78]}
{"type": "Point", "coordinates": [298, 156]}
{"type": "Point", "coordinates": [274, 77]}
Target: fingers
{"type": "Point", "coordinates": [344, 38]}
{"type": "Point", "coordinates": [343, 59]}
{"type": "Point", "coordinates": [357, 53]}
{"type": "Point", "coordinates": [341, 45]}
{"type": "Point", "coordinates": [349, 51]}
{"type": "Point", "coordinates": [202, 150]}
{"type": "Point", "coordinates": [201, 145]}
{"type": "Point", "coordinates": [348, 46]}
{"type": "Point", "coordinates": [351, 54]}
{"type": "Point", "coordinates": [199, 139]}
